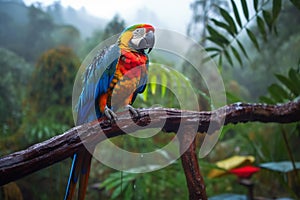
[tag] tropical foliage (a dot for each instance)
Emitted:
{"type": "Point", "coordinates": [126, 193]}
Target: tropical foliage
{"type": "Point", "coordinates": [49, 93]}
{"type": "Point", "coordinates": [287, 90]}
{"type": "Point", "coordinates": [225, 34]}
{"type": "Point", "coordinates": [227, 38]}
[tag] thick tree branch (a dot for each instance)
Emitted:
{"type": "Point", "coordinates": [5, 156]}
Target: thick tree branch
{"type": "Point", "coordinates": [189, 161]}
{"type": "Point", "coordinates": [36, 157]}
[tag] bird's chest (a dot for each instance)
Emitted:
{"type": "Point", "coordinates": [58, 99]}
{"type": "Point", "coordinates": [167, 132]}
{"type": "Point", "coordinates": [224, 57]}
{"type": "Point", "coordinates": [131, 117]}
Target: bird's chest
{"type": "Point", "coordinates": [129, 71]}
{"type": "Point", "coordinates": [132, 64]}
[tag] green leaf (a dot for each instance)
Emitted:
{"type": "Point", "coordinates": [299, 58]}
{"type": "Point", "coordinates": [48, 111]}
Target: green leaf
{"type": "Point", "coordinates": [204, 95]}
{"type": "Point", "coordinates": [255, 4]}
{"type": "Point", "coordinates": [253, 39]}
{"type": "Point", "coordinates": [282, 92]}
{"type": "Point", "coordinates": [236, 13]}
{"type": "Point", "coordinates": [212, 49]}
{"type": "Point", "coordinates": [231, 97]}
{"type": "Point", "coordinates": [208, 58]}
{"type": "Point", "coordinates": [216, 41]}
{"type": "Point", "coordinates": [268, 19]}
{"type": "Point", "coordinates": [164, 80]}
{"type": "Point", "coordinates": [145, 94]}
{"type": "Point", "coordinates": [297, 74]}
{"type": "Point", "coordinates": [261, 27]}
{"type": "Point", "coordinates": [116, 192]}
{"type": "Point", "coordinates": [288, 83]}
{"type": "Point", "coordinates": [114, 181]}
{"type": "Point", "coordinates": [220, 61]}
{"type": "Point", "coordinates": [217, 36]}
{"type": "Point", "coordinates": [153, 82]}
{"type": "Point", "coordinates": [245, 9]}
{"type": "Point", "coordinates": [129, 193]}
{"type": "Point", "coordinates": [276, 9]}
{"type": "Point", "coordinates": [224, 26]}
{"type": "Point", "coordinates": [295, 79]}
{"type": "Point", "coordinates": [229, 20]}
{"type": "Point", "coordinates": [228, 57]}
{"type": "Point", "coordinates": [296, 3]}
{"type": "Point", "coordinates": [266, 100]}
{"type": "Point", "coordinates": [213, 55]}
{"type": "Point", "coordinates": [237, 55]}
{"type": "Point", "coordinates": [110, 182]}
{"type": "Point", "coordinates": [277, 93]}
{"type": "Point", "coordinates": [242, 48]}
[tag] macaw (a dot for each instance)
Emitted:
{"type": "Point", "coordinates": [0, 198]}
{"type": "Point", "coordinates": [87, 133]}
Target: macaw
{"type": "Point", "coordinates": [123, 69]}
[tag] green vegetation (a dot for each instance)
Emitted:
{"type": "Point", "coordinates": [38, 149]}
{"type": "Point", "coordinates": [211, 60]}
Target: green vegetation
{"type": "Point", "coordinates": [250, 46]}
{"type": "Point", "coordinates": [255, 44]}
{"type": "Point", "coordinates": [50, 94]}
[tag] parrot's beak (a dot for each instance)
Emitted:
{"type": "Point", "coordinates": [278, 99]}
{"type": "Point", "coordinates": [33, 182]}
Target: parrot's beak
{"type": "Point", "coordinates": [150, 39]}
{"type": "Point", "coordinates": [145, 42]}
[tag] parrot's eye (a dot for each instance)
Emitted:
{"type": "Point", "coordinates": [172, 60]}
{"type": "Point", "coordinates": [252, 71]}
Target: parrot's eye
{"type": "Point", "coordinates": [138, 32]}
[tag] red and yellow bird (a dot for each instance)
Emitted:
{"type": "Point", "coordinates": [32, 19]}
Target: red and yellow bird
{"type": "Point", "coordinates": [112, 81]}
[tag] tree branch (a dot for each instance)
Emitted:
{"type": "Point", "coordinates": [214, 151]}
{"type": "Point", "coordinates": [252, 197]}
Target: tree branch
{"type": "Point", "coordinates": [41, 155]}
{"type": "Point", "coordinates": [189, 161]}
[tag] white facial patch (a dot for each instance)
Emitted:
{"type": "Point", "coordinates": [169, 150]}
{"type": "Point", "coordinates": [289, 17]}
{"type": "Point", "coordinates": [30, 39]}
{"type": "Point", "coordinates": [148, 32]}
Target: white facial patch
{"type": "Point", "coordinates": [138, 34]}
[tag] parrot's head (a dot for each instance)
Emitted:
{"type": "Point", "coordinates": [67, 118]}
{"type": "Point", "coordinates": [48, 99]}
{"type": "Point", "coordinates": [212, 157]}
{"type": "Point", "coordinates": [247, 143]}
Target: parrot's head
{"type": "Point", "coordinates": [138, 37]}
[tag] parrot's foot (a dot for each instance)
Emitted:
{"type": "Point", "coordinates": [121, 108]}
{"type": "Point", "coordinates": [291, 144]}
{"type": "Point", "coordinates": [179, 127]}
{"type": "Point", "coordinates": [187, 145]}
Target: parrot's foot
{"type": "Point", "coordinates": [133, 111]}
{"type": "Point", "coordinates": [110, 114]}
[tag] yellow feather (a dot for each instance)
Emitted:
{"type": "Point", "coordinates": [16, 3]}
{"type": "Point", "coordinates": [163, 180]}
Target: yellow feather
{"type": "Point", "coordinates": [124, 39]}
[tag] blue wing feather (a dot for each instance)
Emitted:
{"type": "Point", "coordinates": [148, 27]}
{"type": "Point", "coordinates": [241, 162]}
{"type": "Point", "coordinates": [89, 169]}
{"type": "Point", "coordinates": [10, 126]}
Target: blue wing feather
{"type": "Point", "coordinates": [96, 81]}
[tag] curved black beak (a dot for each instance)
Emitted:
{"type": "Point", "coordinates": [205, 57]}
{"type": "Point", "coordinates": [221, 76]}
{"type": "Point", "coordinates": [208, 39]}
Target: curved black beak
{"type": "Point", "coordinates": [147, 42]}
{"type": "Point", "coordinates": [150, 40]}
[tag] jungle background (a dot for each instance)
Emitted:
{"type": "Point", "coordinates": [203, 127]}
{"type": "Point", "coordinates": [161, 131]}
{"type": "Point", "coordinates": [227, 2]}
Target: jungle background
{"type": "Point", "coordinates": [256, 46]}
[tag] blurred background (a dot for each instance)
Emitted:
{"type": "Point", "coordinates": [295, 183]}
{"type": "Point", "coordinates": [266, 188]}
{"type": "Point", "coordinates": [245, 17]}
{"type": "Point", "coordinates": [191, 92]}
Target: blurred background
{"type": "Point", "coordinates": [42, 44]}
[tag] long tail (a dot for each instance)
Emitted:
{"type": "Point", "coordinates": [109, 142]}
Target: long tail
{"type": "Point", "coordinates": [81, 165]}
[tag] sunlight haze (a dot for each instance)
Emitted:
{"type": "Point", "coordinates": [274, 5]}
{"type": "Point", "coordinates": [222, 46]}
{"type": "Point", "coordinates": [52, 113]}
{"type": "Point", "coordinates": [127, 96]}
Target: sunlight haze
{"type": "Point", "coordinates": [162, 14]}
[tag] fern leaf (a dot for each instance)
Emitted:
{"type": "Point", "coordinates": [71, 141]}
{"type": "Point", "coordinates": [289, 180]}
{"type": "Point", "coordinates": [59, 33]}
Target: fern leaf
{"type": "Point", "coordinates": [276, 9]}
{"type": "Point", "coordinates": [253, 39]}
{"type": "Point", "coordinates": [229, 20]}
{"type": "Point", "coordinates": [255, 4]}
{"type": "Point", "coordinates": [268, 19]}
{"type": "Point", "coordinates": [242, 48]}
{"type": "Point", "coordinates": [236, 13]}
{"type": "Point", "coordinates": [228, 57]}
{"type": "Point", "coordinates": [216, 36]}
{"type": "Point", "coordinates": [224, 26]}
{"type": "Point", "coordinates": [237, 55]}
{"type": "Point", "coordinates": [261, 27]}
{"type": "Point", "coordinates": [245, 9]}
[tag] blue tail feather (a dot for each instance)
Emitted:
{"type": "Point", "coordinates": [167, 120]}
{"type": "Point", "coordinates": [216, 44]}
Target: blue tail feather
{"type": "Point", "coordinates": [71, 176]}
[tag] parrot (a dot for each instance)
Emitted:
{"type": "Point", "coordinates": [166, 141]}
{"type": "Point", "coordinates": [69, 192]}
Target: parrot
{"type": "Point", "coordinates": [110, 82]}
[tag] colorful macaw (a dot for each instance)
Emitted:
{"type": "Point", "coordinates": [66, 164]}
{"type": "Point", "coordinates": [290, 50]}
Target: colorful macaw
{"type": "Point", "coordinates": [111, 81]}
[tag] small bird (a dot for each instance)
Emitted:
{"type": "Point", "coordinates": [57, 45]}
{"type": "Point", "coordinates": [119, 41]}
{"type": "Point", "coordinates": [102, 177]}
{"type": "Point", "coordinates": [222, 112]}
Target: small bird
{"type": "Point", "coordinates": [111, 81]}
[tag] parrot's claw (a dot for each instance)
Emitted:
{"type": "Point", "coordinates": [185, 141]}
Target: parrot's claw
{"type": "Point", "coordinates": [110, 114]}
{"type": "Point", "coordinates": [133, 111]}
